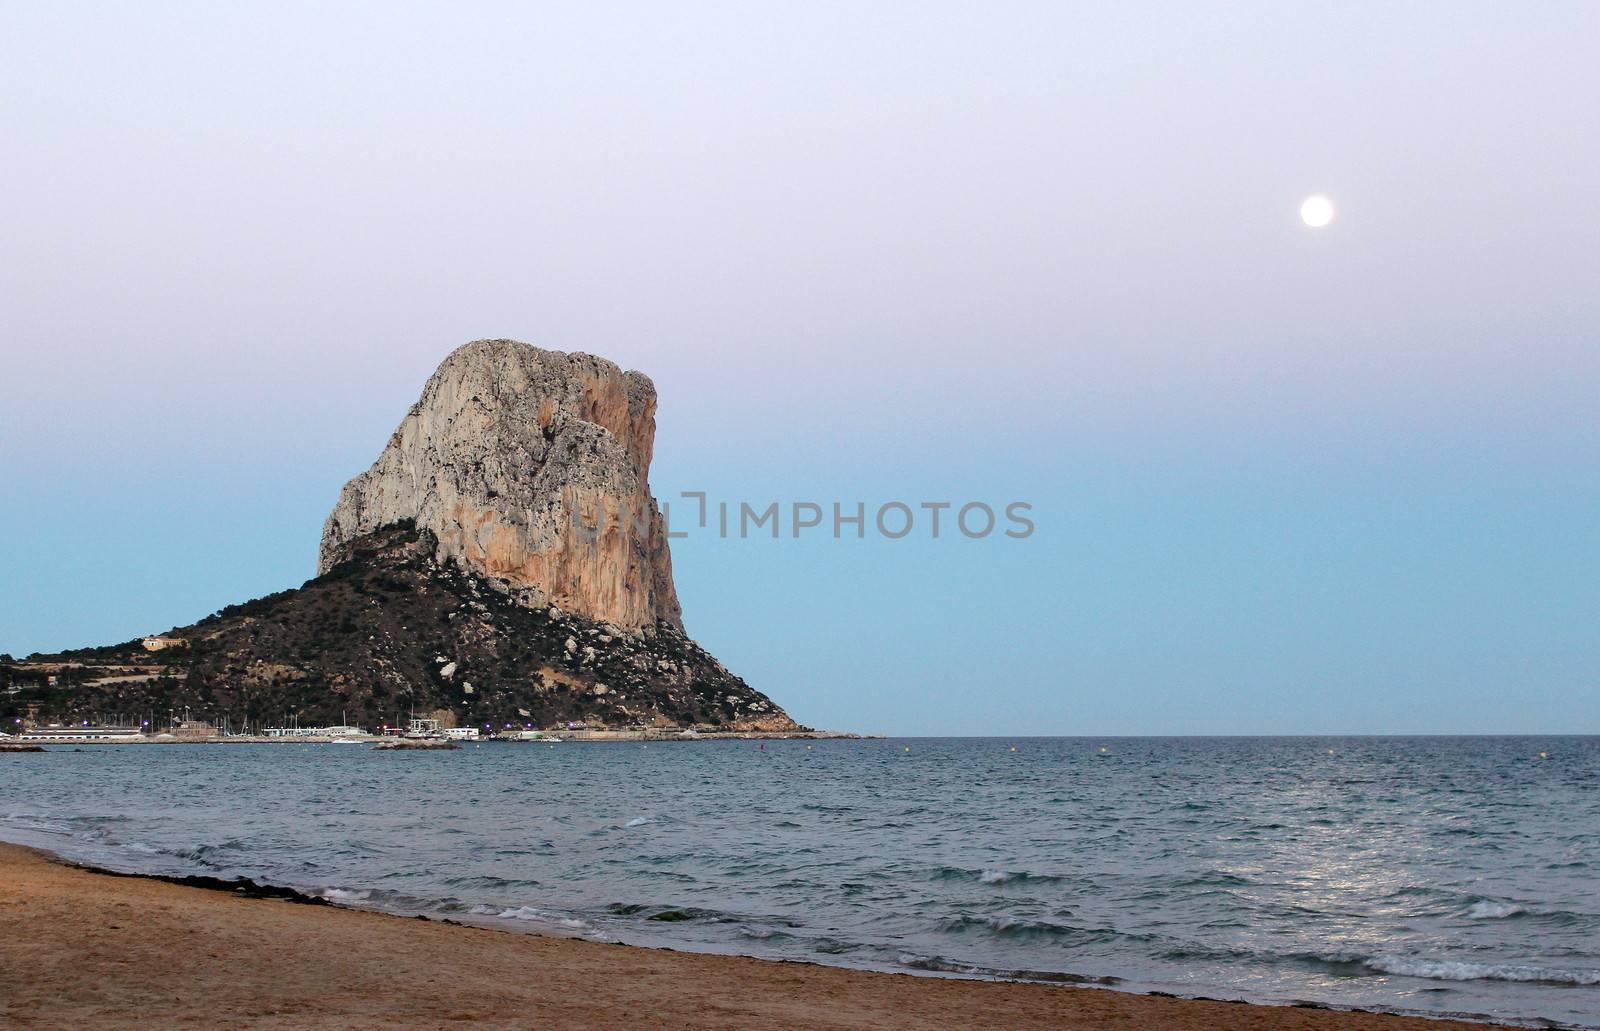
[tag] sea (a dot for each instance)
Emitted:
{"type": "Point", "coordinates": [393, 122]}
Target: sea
{"type": "Point", "coordinates": [1437, 875]}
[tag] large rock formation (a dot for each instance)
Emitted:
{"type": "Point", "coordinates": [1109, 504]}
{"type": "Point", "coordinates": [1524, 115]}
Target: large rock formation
{"type": "Point", "coordinates": [512, 460]}
{"type": "Point", "coordinates": [462, 572]}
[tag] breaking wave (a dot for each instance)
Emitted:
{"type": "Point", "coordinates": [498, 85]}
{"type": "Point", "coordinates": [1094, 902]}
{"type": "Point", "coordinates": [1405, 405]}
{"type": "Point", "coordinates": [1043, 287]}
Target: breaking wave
{"type": "Point", "coordinates": [1456, 970]}
{"type": "Point", "coordinates": [344, 896]}
{"type": "Point", "coordinates": [992, 876]}
{"type": "Point", "coordinates": [535, 915]}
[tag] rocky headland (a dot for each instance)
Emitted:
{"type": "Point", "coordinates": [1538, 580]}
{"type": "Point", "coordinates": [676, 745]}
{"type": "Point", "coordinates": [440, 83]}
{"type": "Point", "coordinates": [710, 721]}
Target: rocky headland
{"type": "Point", "coordinates": [502, 562]}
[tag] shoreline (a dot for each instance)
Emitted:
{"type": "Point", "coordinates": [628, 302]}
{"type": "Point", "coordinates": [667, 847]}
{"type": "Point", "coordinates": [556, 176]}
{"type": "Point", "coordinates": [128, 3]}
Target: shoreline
{"type": "Point", "coordinates": [133, 936]}
{"type": "Point", "coordinates": [556, 736]}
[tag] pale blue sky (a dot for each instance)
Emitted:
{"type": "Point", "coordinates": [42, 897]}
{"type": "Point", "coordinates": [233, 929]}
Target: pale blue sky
{"type": "Point", "coordinates": [1284, 481]}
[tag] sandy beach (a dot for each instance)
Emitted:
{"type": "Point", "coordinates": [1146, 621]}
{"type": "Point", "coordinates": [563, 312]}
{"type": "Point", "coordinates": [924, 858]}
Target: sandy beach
{"type": "Point", "coordinates": [91, 950]}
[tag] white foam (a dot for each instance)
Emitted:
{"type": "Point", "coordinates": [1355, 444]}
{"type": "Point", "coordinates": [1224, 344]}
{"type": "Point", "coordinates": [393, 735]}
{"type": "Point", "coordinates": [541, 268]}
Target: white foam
{"type": "Point", "coordinates": [1456, 970]}
{"type": "Point", "coordinates": [995, 877]}
{"type": "Point", "coordinates": [342, 895]}
{"type": "Point", "coordinates": [1493, 910]}
{"type": "Point", "coordinates": [640, 821]}
{"type": "Point", "coordinates": [543, 916]}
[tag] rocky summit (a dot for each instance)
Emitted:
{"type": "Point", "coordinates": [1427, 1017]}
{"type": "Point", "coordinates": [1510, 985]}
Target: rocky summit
{"type": "Point", "coordinates": [532, 467]}
{"type": "Point", "coordinates": [502, 562]}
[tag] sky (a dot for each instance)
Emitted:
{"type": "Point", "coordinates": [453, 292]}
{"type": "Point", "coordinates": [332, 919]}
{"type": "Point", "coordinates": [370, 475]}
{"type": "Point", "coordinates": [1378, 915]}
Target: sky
{"type": "Point", "coordinates": [1282, 480]}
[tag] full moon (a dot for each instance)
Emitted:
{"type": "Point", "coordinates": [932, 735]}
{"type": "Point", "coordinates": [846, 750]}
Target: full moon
{"type": "Point", "coordinates": [1316, 211]}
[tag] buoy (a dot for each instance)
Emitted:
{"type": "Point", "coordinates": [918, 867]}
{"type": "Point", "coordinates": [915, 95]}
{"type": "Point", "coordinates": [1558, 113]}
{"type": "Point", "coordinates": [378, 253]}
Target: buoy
{"type": "Point", "coordinates": [1013, 748]}
{"type": "Point", "coordinates": [1103, 748]}
{"type": "Point", "coordinates": [908, 748]}
{"type": "Point", "coordinates": [1544, 755]}
{"type": "Point", "coordinates": [1330, 751]}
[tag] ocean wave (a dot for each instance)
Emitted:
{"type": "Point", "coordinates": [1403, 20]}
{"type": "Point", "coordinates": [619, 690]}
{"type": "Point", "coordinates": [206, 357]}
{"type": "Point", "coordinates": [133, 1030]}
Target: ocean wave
{"type": "Point", "coordinates": [820, 944]}
{"type": "Point", "coordinates": [1458, 970]}
{"type": "Point", "coordinates": [1358, 964]}
{"type": "Point", "coordinates": [1210, 880]}
{"type": "Point", "coordinates": [936, 964]}
{"type": "Point", "coordinates": [344, 896]}
{"type": "Point", "coordinates": [1008, 927]}
{"type": "Point", "coordinates": [208, 855]}
{"type": "Point", "coordinates": [687, 914]}
{"type": "Point", "coordinates": [536, 915]}
{"type": "Point", "coordinates": [991, 876]}
{"type": "Point", "coordinates": [489, 881]}
{"type": "Point", "coordinates": [1189, 952]}
{"type": "Point", "coordinates": [1016, 877]}
{"type": "Point", "coordinates": [1421, 901]}
{"type": "Point", "coordinates": [1444, 903]}
{"type": "Point", "coordinates": [640, 821]}
{"type": "Point", "coordinates": [43, 824]}
{"type": "Point", "coordinates": [940, 965]}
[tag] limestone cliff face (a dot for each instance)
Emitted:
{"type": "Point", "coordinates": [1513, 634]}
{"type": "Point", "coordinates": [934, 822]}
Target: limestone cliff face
{"type": "Point", "coordinates": [509, 460]}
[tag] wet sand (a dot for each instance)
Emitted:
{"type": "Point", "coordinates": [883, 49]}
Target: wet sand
{"type": "Point", "coordinates": [84, 949]}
